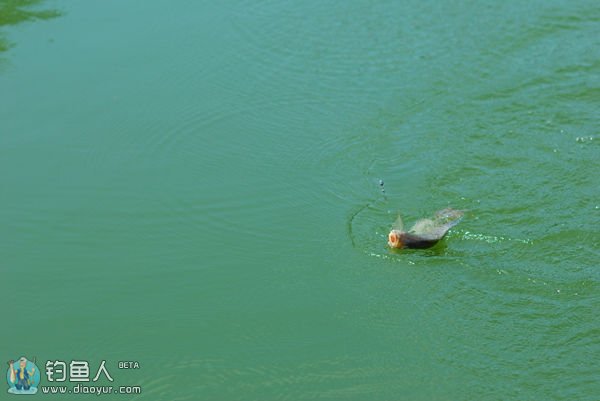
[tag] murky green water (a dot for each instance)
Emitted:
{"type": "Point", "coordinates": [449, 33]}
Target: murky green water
{"type": "Point", "coordinates": [194, 186]}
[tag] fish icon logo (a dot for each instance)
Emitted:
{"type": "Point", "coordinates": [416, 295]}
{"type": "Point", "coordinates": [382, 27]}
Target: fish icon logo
{"type": "Point", "coordinates": [23, 376]}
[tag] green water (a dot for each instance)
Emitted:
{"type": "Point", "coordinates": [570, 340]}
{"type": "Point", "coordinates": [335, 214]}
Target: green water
{"type": "Point", "coordinates": [194, 185]}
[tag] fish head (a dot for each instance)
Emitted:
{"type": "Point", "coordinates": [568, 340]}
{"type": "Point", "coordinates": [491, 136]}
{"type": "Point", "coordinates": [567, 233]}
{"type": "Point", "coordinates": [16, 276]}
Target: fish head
{"type": "Point", "coordinates": [395, 239]}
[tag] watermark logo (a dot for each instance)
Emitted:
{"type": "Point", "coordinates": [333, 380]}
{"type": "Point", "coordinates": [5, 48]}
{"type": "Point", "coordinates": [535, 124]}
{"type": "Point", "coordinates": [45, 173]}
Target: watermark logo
{"type": "Point", "coordinates": [63, 377]}
{"type": "Point", "coordinates": [79, 371]}
{"type": "Point", "coordinates": [23, 376]}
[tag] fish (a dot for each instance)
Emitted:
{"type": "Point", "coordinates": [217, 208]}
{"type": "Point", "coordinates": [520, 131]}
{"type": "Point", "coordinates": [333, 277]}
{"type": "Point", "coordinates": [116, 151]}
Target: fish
{"type": "Point", "coordinates": [425, 233]}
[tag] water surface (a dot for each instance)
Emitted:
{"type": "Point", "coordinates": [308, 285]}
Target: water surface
{"type": "Point", "coordinates": [195, 186]}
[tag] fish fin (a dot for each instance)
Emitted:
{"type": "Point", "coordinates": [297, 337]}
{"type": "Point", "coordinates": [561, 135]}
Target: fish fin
{"type": "Point", "coordinates": [398, 224]}
{"type": "Point", "coordinates": [422, 227]}
{"type": "Point", "coordinates": [437, 227]}
{"type": "Point", "coordinates": [449, 215]}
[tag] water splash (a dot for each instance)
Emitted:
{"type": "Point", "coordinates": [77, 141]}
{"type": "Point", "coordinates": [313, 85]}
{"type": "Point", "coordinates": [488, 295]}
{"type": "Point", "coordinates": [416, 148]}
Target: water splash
{"type": "Point", "coordinates": [492, 239]}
